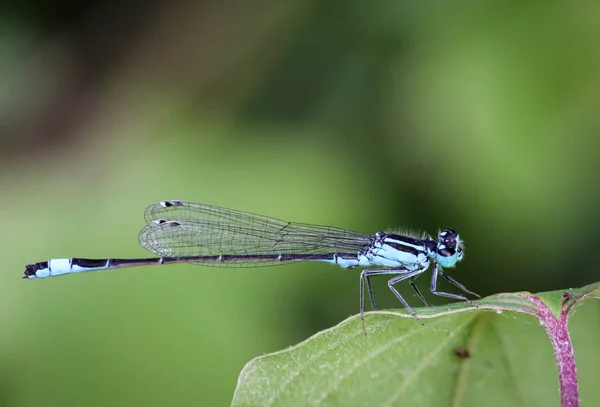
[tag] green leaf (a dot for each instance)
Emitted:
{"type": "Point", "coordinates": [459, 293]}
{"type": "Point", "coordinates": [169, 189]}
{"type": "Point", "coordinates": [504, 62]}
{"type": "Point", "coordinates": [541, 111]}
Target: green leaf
{"type": "Point", "coordinates": [464, 355]}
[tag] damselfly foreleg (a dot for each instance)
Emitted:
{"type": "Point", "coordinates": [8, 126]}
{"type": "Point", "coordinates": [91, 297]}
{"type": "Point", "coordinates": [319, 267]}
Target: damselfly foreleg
{"type": "Point", "coordinates": [438, 270]}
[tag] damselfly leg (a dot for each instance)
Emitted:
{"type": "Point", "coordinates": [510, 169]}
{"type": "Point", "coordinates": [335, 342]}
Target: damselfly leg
{"type": "Point", "coordinates": [399, 275]}
{"type": "Point", "coordinates": [414, 286]}
{"type": "Point", "coordinates": [438, 270]}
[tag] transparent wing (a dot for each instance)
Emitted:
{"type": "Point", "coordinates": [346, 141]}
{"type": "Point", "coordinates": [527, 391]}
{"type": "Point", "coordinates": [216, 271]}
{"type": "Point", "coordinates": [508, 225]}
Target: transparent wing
{"type": "Point", "coordinates": [182, 229]}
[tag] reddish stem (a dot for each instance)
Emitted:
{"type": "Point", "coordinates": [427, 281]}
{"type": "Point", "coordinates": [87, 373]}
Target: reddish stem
{"type": "Point", "coordinates": [563, 349]}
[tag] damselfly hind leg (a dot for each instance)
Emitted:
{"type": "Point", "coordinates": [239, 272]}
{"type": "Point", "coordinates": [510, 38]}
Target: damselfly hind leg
{"type": "Point", "coordinates": [400, 275]}
{"type": "Point", "coordinates": [364, 276]}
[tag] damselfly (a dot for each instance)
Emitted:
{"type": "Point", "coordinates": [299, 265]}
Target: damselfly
{"type": "Point", "coordinates": [186, 232]}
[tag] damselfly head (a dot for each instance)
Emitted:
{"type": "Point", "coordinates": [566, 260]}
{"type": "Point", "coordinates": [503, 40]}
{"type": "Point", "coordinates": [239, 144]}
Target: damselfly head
{"type": "Point", "coordinates": [450, 248]}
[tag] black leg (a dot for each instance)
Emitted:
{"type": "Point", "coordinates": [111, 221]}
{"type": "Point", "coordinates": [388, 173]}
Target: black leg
{"type": "Point", "coordinates": [413, 285]}
{"type": "Point", "coordinates": [370, 288]}
{"type": "Point", "coordinates": [457, 284]}
{"type": "Point", "coordinates": [402, 277]}
{"type": "Point", "coordinates": [401, 274]}
{"type": "Point", "coordinates": [364, 276]}
{"type": "Point", "coordinates": [433, 288]}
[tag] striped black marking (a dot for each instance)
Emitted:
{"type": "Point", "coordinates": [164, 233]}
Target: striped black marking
{"type": "Point", "coordinates": [407, 247]}
{"type": "Point", "coordinates": [405, 239]}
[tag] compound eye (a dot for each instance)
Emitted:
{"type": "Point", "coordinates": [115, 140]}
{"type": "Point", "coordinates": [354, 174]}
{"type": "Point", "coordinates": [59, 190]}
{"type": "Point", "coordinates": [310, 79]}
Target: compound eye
{"type": "Point", "coordinates": [448, 238]}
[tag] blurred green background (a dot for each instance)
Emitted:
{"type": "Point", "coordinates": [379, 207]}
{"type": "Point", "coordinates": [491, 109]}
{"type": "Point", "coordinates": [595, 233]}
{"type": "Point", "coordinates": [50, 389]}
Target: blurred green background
{"type": "Point", "coordinates": [480, 116]}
